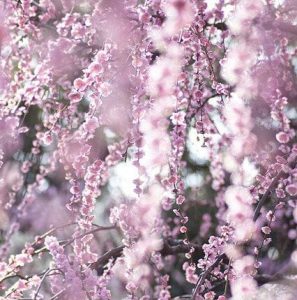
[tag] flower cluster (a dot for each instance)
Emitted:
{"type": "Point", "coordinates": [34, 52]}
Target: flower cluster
{"type": "Point", "coordinates": [148, 148]}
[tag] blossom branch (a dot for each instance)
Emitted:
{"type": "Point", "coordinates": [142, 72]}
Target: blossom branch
{"type": "Point", "coordinates": [206, 273]}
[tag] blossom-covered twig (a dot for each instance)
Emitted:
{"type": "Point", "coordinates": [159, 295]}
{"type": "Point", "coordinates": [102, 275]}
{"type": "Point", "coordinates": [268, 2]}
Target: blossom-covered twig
{"type": "Point", "coordinates": [206, 273]}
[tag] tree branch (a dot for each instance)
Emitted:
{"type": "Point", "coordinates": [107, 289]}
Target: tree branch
{"type": "Point", "coordinates": [179, 247]}
{"type": "Point", "coordinates": [266, 194]}
{"type": "Point", "coordinates": [271, 186]}
{"type": "Point", "coordinates": [206, 273]}
{"type": "Point", "coordinates": [168, 249]}
{"type": "Point", "coordinates": [113, 253]}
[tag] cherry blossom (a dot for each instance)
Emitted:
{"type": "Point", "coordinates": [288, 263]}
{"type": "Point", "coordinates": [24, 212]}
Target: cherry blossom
{"type": "Point", "coordinates": [148, 148]}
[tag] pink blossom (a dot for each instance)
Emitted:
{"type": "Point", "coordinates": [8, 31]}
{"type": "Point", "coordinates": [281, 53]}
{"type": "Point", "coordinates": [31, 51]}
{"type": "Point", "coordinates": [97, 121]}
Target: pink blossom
{"type": "Point", "coordinates": [291, 189]}
{"type": "Point", "coordinates": [92, 124]}
{"type": "Point", "coordinates": [180, 199]}
{"type": "Point", "coordinates": [183, 229]}
{"type": "Point", "coordinates": [178, 118]}
{"type": "Point", "coordinates": [180, 13]}
{"type": "Point", "coordinates": [190, 274]}
{"type": "Point", "coordinates": [95, 69]}
{"type": "Point", "coordinates": [47, 138]}
{"type": "Point", "coordinates": [209, 296]}
{"type": "Point", "coordinates": [75, 97]}
{"type": "Point", "coordinates": [266, 230]}
{"type": "Point", "coordinates": [243, 287]}
{"type": "Point", "coordinates": [282, 137]}
{"type": "Point", "coordinates": [146, 146]}
{"type": "Point", "coordinates": [80, 84]}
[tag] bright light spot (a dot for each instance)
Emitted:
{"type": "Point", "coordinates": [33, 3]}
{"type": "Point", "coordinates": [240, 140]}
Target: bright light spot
{"type": "Point", "coordinates": [121, 181]}
{"type": "Point", "coordinates": [195, 144]}
{"type": "Point", "coordinates": [194, 180]}
{"type": "Point", "coordinates": [273, 253]}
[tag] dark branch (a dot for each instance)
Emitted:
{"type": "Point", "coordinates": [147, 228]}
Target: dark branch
{"type": "Point", "coordinates": [176, 247]}
{"type": "Point", "coordinates": [169, 248]}
{"type": "Point", "coordinates": [206, 273]}
{"type": "Point", "coordinates": [266, 194]}
{"type": "Point", "coordinates": [103, 260]}
{"type": "Point", "coordinates": [220, 25]}
{"type": "Point", "coordinates": [269, 189]}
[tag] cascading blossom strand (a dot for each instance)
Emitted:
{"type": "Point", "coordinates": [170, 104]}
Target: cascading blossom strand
{"type": "Point", "coordinates": [148, 149]}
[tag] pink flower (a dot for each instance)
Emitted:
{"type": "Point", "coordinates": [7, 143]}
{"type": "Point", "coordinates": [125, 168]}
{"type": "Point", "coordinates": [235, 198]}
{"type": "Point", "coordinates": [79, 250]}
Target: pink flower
{"type": "Point", "coordinates": [282, 137]}
{"type": "Point", "coordinates": [22, 284]}
{"type": "Point", "coordinates": [95, 69]}
{"type": "Point", "coordinates": [190, 274]}
{"type": "Point", "coordinates": [164, 74]}
{"type": "Point", "coordinates": [280, 205]}
{"type": "Point", "coordinates": [291, 189]}
{"type": "Point", "coordinates": [237, 198]}
{"type": "Point", "coordinates": [23, 258]}
{"type": "Point", "coordinates": [267, 241]}
{"type": "Point", "coordinates": [183, 229]}
{"type": "Point", "coordinates": [80, 84]}
{"type": "Point", "coordinates": [75, 97]}
{"type": "Point", "coordinates": [270, 216]}
{"type": "Point", "coordinates": [180, 199]}
{"type": "Point", "coordinates": [266, 230]}
{"type": "Point", "coordinates": [92, 124]}
{"type": "Point", "coordinates": [243, 287]}
{"type": "Point", "coordinates": [47, 138]}
{"type": "Point", "coordinates": [180, 13]}
{"type": "Point", "coordinates": [209, 296]}
{"type": "Point", "coordinates": [178, 118]}
{"type": "Point", "coordinates": [244, 265]}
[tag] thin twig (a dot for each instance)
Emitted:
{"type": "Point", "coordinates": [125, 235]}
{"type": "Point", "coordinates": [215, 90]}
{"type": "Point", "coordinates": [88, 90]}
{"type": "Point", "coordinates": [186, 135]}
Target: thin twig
{"type": "Point", "coordinates": [169, 249]}
{"type": "Point", "coordinates": [57, 295]}
{"type": "Point", "coordinates": [99, 228]}
{"type": "Point", "coordinates": [267, 192]}
{"type": "Point", "coordinates": [41, 281]}
{"type": "Point", "coordinates": [206, 273]}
